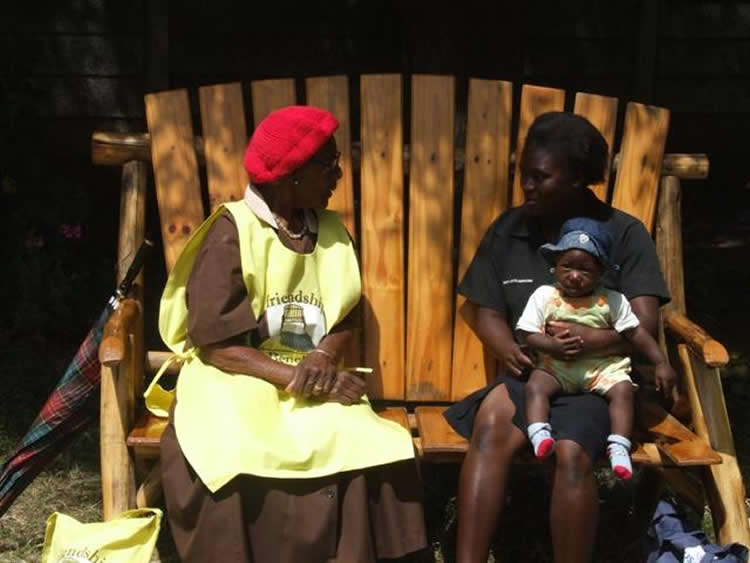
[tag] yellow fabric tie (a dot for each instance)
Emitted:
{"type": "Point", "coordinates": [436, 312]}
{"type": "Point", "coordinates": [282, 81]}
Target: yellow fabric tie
{"type": "Point", "coordinates": [158, 399]}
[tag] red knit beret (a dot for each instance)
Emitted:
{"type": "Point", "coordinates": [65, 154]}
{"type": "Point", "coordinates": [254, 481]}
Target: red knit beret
{"type": "Point", "coordinates": [285, 140]}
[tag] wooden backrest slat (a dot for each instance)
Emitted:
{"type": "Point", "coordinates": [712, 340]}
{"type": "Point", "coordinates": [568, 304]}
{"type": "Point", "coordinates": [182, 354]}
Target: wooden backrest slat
{"type": "Point", "coordinates": [429, 303]}
{"type": "Point", "coordinates": [485, 196]}
{"type": "Point", "coordinates": [332, 93]}
{"type": "Point", "coordinates": [642, 151]}
{"type": "Point", "coordinates": [270, 95]}
{"type": "Point", "coordinates": [415, 332]}
{"type": "Point", "coordinates": [225, 139]}
{"type": "Point", "coordinates": [601, 111]}
{"type": "Point", "coordinates": [382, 249]}
{"type": "Point", "coordinates": [175, 169]}
{"type": "Point", "coordinates": [535, 100]}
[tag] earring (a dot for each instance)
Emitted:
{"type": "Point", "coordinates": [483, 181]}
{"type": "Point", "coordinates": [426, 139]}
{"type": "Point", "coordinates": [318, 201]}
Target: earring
{"type": "Point", "coordinates": [295, 181]}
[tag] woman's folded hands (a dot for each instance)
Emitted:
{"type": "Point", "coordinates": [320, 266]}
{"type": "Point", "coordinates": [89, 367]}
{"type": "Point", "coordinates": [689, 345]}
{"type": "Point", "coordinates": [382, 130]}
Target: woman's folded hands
{"type": "Point", "coordinates": [316, 376]}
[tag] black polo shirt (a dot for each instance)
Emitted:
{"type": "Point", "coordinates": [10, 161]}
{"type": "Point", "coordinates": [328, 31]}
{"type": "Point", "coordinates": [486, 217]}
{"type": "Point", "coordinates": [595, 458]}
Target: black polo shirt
{"type": "Point", "coordinates": [508, 267]}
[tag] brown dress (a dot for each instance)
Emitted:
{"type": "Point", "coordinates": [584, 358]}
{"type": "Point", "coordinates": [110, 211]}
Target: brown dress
{"type": "Point", "coordinates": [357, 516]}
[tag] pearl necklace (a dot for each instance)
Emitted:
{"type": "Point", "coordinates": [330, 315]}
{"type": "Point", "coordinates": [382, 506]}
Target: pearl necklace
{"type": "Point", "coordinates": [281, 223]}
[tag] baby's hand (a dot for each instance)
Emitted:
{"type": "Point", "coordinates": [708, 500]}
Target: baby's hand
{"type": "Point", "coordinates": [566, 346]}
{"type": "Point", "coordinates": [666, 378]}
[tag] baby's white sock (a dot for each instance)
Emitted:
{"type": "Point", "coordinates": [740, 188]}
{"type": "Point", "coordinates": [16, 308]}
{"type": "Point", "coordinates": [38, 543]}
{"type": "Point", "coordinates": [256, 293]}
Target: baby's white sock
{"type": "Point", "coordinates": [540, 434]}
{"type": "Point", "coordinates": [618, 451]}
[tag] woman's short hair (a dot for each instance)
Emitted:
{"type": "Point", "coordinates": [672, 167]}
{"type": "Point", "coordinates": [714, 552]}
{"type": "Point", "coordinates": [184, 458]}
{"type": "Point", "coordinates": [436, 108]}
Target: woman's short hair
{"type": "Point", "coordinates": [574, 140]}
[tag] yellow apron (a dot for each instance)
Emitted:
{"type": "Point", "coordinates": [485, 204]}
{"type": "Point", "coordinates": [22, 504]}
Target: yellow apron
{"type": "Point", "coordinates": [229, 424]}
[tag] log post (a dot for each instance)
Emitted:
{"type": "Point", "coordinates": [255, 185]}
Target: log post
{"type": "Point", "coordinates": [119, 384]}
{"type": "Point", "coordinates": [669, 241]}
{"type": "Point", "coordinates": [723, 484]}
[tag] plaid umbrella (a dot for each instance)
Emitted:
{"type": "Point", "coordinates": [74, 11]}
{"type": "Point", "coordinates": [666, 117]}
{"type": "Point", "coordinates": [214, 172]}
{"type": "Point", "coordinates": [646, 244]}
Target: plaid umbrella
{"type": "Point", "coordinates": [70, 407]}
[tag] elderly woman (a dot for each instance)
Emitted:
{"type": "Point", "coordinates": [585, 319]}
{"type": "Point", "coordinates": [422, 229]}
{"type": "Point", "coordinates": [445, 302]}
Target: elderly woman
{"type": "Point", "coordinates": [562, 156]}
{"type": "Point", "coordinates": [272, 452]}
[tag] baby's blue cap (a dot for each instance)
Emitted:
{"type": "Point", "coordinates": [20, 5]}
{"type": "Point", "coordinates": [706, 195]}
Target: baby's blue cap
{"type": "Point", "coordinates": [584, 234]}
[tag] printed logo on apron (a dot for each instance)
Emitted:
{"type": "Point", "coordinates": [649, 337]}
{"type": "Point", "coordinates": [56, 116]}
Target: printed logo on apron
{"type": "Point", "coordinates": [294, 323]}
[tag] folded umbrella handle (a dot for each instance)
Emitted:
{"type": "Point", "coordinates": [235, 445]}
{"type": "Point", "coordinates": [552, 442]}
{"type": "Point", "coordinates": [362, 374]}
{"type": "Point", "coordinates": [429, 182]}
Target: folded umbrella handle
{"type": "Point", "coordinates": [135, 267]}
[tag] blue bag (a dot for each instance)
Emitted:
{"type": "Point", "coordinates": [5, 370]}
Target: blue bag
{"type": "Point", "coordinates": [668, 541]}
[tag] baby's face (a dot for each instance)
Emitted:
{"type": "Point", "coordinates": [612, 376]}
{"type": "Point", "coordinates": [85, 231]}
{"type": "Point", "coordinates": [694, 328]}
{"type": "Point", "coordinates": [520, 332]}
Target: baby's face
{"type": "Point", "coordinates": [577, 272]}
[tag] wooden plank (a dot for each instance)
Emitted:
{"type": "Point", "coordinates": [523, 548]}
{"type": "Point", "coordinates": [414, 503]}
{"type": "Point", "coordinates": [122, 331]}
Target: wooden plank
{"type": "Point", "coordinates": [696, 408]}
{"type": "Point", "coordinates": [118, 471]}
{"type": "Point", "coordinates": [150, 491]}
{"type": "Point", "coordinates": [395, 414]}
{"type": "Point", "coordinates": [677, 442]}
{"type": "Point", "coordinates": [121, 385]}
{"type": "Point", "coordinates": [723, 483]}
{"type": "Point", "coordinates": [332, 93]}
{"type": "Point", "coordinates": [430, 266]}
{"type": "Point", "coordinates": [147, 431]}
{"type": "Point", "coordinates": [601, 111]}
{"type": "Point", "coordinates": [535, 100]}
{"type": "Point", "coordinates": [225, 139]}
{"type": "Point", "coordinates": [270, 95]}
{"type": "Point", "coordinates": [437, 435]}
{"type": "Point", "coordinates": [133, 194]}
{"type": "Point", "coordinates": [175, 169]}
{"type": "Point", "coordinates": [383, 233]}
{"type": "Point", "coordinates": [640, 165]}
{"type": "Point", "coordinates": [646, 453]}
{"type": "Point", "coordinates": [669, 241]}
{"type": "Point", "coordinates": [485, 197]}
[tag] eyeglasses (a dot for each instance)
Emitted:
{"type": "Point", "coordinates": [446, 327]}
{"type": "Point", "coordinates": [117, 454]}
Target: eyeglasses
{"type": "Point", "coordinates": [329, 164]}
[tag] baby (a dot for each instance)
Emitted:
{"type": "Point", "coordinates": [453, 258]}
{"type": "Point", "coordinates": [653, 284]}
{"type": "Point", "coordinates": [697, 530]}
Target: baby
{"type": "Point", "coordinates": [580, 258]}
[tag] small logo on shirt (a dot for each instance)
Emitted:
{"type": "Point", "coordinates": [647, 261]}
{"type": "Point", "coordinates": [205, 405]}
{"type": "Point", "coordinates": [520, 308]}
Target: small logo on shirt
{"type": "Point", "coordinates": [517, 280]}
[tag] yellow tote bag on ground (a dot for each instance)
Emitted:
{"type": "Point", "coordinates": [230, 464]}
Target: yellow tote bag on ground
{"type": "Point", "coordinates": [129, 538]}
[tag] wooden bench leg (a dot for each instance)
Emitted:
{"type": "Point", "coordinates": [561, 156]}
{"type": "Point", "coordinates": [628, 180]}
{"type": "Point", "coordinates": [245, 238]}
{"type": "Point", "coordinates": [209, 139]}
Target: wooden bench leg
{"type": "Point", "coordinates": [118, 471]}
{"type": "Point", "coordinates": [121, 384]}
{"type": "Point", "coordinates": [150, 491]}
{"type": "Point", "coordinates": [723, 482]}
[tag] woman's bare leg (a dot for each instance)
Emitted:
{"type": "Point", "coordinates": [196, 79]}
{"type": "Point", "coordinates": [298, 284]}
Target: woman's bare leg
{"type": "Point", "coordinates": [574, 510]}
{"type": "Point", "coordinates": [484, 475]}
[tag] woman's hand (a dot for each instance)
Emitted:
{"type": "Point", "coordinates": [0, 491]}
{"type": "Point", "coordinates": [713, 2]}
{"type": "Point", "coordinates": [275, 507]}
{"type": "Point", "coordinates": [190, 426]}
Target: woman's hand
{"type": "Point", "coordinates": [314, 376]}
{"type": "Point", "coordinates": [666, 378]}
{"type": "Point", "coordinates": [347, 389]}
{"type": "Point", "coordinates": [493, 330]}
{"type": "Point", "coordinates": [513, 358]}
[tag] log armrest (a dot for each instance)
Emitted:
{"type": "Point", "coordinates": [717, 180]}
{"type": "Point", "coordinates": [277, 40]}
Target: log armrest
{"type": "Point", "coordinates": [114, 344]}
{"type": "Point", "coordinates": [710, 351]}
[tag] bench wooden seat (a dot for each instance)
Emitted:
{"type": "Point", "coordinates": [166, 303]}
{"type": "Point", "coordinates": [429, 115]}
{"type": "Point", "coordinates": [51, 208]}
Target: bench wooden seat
{"type": "Point", "coordinates": [675, 444]}
{"type": "Point", "coordinates": [417, 205]}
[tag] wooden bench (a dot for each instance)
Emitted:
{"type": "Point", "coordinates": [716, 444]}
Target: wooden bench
{"type": "Point", "coordinates": [416, 330]}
